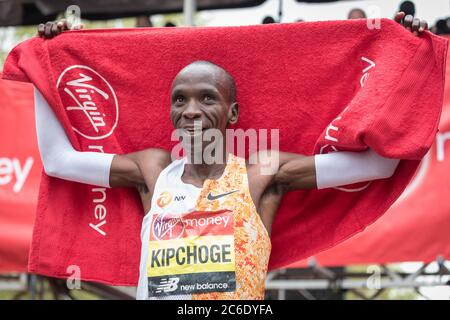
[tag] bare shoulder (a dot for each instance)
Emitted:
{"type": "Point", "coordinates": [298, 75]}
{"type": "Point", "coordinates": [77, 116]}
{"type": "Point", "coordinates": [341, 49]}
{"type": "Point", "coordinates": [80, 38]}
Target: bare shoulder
{"type": "Point", "coordinates": [153, 157]}
{"type": "Point", "coordinates": [150, 162]}
{"type": "Point", "coordinates": [264, 166]}
{"type": "Point", "coordinates": [265, 162]}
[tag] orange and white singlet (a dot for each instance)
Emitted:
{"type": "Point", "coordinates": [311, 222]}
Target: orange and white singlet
{"type": "Point", "coordinates": [203, 243]}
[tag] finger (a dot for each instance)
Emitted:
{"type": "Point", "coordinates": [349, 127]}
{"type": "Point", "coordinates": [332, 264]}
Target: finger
{"type": "Point", "coordinates": [78, 26]}
{"type": "Point", "coordinates": [48, 30]}
{"type": "Point", "coordinates": [61, 23]}
{"type": "Point", "coordinates": [41, 28]}
{"type": "Point", "coordinates": [407, 22]}
{"type": "Point", "coordinates": [65, 25]}
{"type": "Point", "coordinates": [415, 25]}
{"type": "Point", "coordinates": [399, 16]}
{"type": "Point", "coordinates": [423, 26]}
{"type": "Point", "coordinates": [55, 30]}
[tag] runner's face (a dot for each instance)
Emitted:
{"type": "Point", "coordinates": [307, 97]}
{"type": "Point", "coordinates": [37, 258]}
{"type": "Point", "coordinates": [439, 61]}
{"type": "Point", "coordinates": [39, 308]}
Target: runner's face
{"type": "Point", "coordinates": [201, 96]}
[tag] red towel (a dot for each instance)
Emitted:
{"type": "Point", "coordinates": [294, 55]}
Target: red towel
{"type": "Point", "coordinates": [377, 88]}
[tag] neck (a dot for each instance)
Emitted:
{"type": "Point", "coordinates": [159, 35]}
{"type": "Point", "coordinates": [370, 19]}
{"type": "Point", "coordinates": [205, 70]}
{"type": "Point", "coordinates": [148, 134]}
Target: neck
{"type": "Point", "coordinates": [201, 172]}
{"type": "Point", "coordinates": [199, 168]}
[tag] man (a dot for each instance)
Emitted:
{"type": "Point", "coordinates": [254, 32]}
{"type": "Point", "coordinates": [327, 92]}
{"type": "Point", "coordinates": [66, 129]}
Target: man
{"type": "Point", "coordinates": [214, 242]}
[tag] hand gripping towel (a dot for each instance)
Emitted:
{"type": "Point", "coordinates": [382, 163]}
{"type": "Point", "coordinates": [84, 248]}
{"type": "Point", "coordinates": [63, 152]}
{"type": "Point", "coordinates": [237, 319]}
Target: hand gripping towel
{"type": "Point", "coordinates": [327, 86]}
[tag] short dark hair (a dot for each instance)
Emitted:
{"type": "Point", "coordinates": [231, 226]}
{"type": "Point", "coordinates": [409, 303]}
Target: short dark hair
{"type": "Point", "coordinates": [268, 20]}
{"type": "Point", "coordinates": [228, 76]}
{"type": "Point", "coordinates": [361, 11]}
{"type": "Point", "coordinates": [408, 7]}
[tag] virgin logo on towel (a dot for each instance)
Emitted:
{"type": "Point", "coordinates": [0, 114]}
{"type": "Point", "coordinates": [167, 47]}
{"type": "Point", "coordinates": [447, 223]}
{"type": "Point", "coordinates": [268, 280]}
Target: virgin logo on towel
{"type": "Point", "coordinates": [90, 102]}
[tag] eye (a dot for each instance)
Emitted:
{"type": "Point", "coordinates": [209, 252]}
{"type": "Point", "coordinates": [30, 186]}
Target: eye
{"type": "Point", "coordinates": [208, 98]}
{"type": "Point", "coordinates": [179, 99]}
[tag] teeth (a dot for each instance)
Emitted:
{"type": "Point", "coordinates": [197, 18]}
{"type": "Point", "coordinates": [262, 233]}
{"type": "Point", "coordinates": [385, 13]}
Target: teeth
{"type": "Point", "coordinates": [193, 131]}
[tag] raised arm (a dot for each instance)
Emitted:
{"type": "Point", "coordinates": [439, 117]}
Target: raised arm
{"type": "Point", "coordinates": [342, 168]}
{"type": "Point", "coordinates": [62, 161]}
{"type": "Point", "coordinates": [332, 169]}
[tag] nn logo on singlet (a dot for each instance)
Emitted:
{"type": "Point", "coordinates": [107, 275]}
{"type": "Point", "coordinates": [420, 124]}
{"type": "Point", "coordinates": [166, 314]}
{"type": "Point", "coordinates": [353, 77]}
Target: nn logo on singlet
{"type": "Point", "coordinates": [90, 102]}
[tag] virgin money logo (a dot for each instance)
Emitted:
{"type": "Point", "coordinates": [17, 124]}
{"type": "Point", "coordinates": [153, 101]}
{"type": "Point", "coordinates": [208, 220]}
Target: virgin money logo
{"type": "Point", "coordinates": [165, 227]}
{"type": "Point", "coordinates": [90, 102]}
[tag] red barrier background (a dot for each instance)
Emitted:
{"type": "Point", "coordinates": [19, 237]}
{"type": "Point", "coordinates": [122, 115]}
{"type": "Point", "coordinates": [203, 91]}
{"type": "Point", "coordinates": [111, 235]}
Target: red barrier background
{"type": "Point", "coordinates": [20, 171]}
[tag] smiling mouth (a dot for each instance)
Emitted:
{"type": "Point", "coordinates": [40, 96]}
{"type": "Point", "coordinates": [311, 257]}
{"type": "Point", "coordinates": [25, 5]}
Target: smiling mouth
{"type": "Point", "coordinates": [194, 130]}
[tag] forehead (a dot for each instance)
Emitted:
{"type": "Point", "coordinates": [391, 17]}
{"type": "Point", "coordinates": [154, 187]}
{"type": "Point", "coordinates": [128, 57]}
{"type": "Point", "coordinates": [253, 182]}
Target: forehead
{"type": "Point", "coordinates": [200, 76]}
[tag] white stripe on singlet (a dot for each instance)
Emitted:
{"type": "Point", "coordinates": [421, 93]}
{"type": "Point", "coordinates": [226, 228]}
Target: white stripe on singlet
{"type": "Point", "coordinates": [168, 180]}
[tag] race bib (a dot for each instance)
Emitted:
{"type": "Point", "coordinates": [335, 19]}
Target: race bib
{"type": "Point", "coordinates": [191, 253]}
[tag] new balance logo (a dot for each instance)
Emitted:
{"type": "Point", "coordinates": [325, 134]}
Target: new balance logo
{"type": "Point", "coordinates": [168, 285]}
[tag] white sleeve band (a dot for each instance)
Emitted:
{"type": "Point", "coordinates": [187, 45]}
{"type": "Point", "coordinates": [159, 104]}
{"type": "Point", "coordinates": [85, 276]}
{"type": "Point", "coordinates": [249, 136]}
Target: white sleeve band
{"type": "Point", "coordinates": [58, 156]}
{"type": "Point", "coordinates": [341, 168]}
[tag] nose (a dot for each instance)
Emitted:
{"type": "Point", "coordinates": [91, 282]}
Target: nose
{"type": "Point", "coordinates": [192, 110]}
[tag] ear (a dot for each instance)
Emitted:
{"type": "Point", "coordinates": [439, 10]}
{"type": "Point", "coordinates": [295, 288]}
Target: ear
{"type": "Point", "coordinates": [233, 113]}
